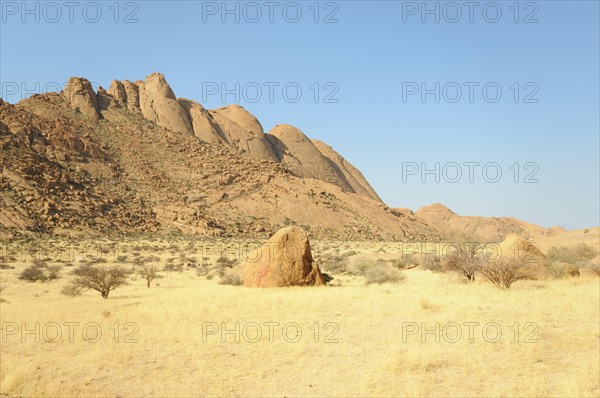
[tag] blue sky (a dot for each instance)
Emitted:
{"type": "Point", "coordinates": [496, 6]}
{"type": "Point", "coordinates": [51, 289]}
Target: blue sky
{"type": "Point", "coordinates": [364, 61]}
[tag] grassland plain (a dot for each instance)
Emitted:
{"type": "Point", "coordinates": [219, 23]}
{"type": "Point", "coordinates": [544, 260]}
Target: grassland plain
{"type": "Point", "coordinates": [187, 335]}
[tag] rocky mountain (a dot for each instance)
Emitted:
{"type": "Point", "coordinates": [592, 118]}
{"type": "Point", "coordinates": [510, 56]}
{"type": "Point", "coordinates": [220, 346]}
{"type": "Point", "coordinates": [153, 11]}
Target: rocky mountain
{"type": "Point", "coordinates": [135, 158]}
{"type": "Point", "coordinates": [490, 229]}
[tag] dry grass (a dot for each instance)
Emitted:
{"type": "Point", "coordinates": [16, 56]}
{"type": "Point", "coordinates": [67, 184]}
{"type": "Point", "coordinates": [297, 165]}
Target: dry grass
{"type": "Point", "coordinates": [370, 349]}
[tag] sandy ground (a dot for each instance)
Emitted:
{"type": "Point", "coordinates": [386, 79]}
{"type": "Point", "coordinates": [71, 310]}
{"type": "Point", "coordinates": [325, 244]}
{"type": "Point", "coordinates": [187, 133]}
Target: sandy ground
{"type": "Point", "coordinates": [431, 335]}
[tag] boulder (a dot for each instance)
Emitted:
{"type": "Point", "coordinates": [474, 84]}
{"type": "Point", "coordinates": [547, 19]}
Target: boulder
{"type": "Point", "coordinates": [284, 260]}
{"type": "Point", "coordinates": [80, 94]}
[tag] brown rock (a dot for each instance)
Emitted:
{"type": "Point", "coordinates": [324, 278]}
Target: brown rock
{"type": "Point", "coordinates": [285, 260]}
{"type": "Point", "coordinates": [159, 104]}
{"type": "Point", "coordinates": [81, 95]}
{"type": "Point", "coordinates": [203, 124]}
{"type": "Point", "coordinates": [132, 92]}
{"type": "Point", "coordinates": [118, 92]}
{"type": "Point", "coordinates": [254, 143]}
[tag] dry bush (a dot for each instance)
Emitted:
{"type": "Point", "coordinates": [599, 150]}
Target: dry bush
{"type": "Point", "coordinates": [149, 273]}
{"type": "Point", "coordinates": [40, 271]}
{"type": "Point", "coordinates": [377, 273]}
{"type": "Point", "coordinates": [226, 262]}
{"type": "Point", "coordinates": [465, 260]}
{"type": "Point", "coordinates": [433, 264]}
{"type": "Point", "coordinates": [71, 290]}
{"type": "Point", "coordinates": [563, 261]}
{"type": "Point", "coordinates": [578, 255]}
{"type": "Point", "coordinates": [383, 273]}
{"type": "Point", "coordinates": [231, 278]}
{"type": "Point", "coordinates": [101, 279]}
{"type": "Point", "coordinates": [505, 272]}
{"type": "Point", "coordinates": [335, 264]}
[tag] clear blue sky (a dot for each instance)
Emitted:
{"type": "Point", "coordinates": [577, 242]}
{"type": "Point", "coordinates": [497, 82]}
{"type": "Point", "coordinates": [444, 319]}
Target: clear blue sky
{"type": "Point", "coordinates": [371, 57]}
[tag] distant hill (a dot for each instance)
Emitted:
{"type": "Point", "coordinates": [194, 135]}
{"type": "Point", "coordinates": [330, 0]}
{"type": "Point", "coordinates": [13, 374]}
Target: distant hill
{"type": "Point", "coordinates": [452, 225]}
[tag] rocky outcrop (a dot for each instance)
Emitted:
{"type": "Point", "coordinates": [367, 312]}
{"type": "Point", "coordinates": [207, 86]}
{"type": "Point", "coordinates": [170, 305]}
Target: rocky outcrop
{"type": "Point", "coordinates": [118, 92]}
{"type": "Point", "coordinates": [300, 155]}
{"type": "Point", "coordinates": [159, 104]}
{"type": "Point", "coordinates": [352, 175]}
{"type": "Point", "coordinates": [284, 260]}
{"type": "Point", "coordinates": [243, 118]}
{"type": "Point", "coordinates": [251, 143]}
{"type": "Point", "coordinates": [204, 125]}
{"type": "Point", "coordinates": [80, 94]}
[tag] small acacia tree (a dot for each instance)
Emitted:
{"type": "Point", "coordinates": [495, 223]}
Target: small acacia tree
{"type": "Point", "coordinates": [149, 273]}
{"type": "Point", "coordinates": [504, 273]}
{"type": "Point", "coordinates": [100, 278]}
{"type": "Point", "coordinates": [465, 260]}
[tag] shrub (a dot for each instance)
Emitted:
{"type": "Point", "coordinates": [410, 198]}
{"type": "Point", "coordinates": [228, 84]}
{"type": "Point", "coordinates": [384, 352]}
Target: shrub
{"type": "Point", "coordinates": [578, 255]}
{"type": "Point", "coordinates": [101, 279]}
{"type": "Point", "coordinates": [71, 290]}
{"type": "Point", "coordinates": [383, 273]}
{"type": "Point", "coordinates": [149, 273]}
{"type": "Point", "coordinates": [562, 262]}
{"type": "Point", "coordinates": [335, 264]}
{"type": "Point", "coordinates": [225, 262]}
{"type": "Point", "coordinates": [433, 264]}
{"type": "Point", "coordinates": [359, 269]}
{"type": "Point", "coordinates": [504, 273]}
{"type": "Point", "coordinates": [232, 279]}
{"type": "Point", "coordinates": [40, 271]}
{"type": "Point", "coordinates": [326, 277]}
{"type": "Point", "coordinates": [173, 267]}
{"type": "Point", "coordinates": [464, 261]}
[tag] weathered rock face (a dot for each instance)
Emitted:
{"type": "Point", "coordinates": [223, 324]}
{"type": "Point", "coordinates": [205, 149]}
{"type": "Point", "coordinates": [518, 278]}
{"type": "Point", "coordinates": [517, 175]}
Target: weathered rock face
{"type": "Point", "coordinates": [244, 131]}
{"type": "Point", "coordinates": [133, 96]}
{"type": "Point", "coordinates": [285, 260]}
{"type": "Point", "coordinates": [159, 104]}
{"type": "Point", "coordinates": [117, 91]}
{"type": "Point", "coordinates": [241, 116]}
{"type": "Point", "coordinates": [353, 176]}
{"type": "Point", "coordinates": [299, 153]}
{"type": "Point", "coordinates": [81, 96]}
{"type": "Point", "coordinates": [203, 123]}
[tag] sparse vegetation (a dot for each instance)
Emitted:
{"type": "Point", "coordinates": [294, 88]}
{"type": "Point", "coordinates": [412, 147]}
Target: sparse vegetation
{"type": "Point", "coordinates": [379, 273]}
{"type": "Point", "coordinates": [231, 278]}
{"type": "Point", "coordinates": [504, 273]}
{"type": "Point", "coordinates": [100, 278]}
{"type": "Point", "coordinates": [40, 271]}
{"type": "Point", "coordinates": [465, 260]}
{"type": "Point", "coordinates": [71, 290]}
{"type": "Point", "coordinates": [335, 264]}
{"type": "Point", "coordinates": [564, 261]}
{"type": "Point", "coordinates": [149, 273]}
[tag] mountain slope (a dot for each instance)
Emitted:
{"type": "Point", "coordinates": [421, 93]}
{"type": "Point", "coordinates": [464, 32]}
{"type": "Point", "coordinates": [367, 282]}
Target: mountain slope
{"type": "Point", "coordinates": [81, 162]}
